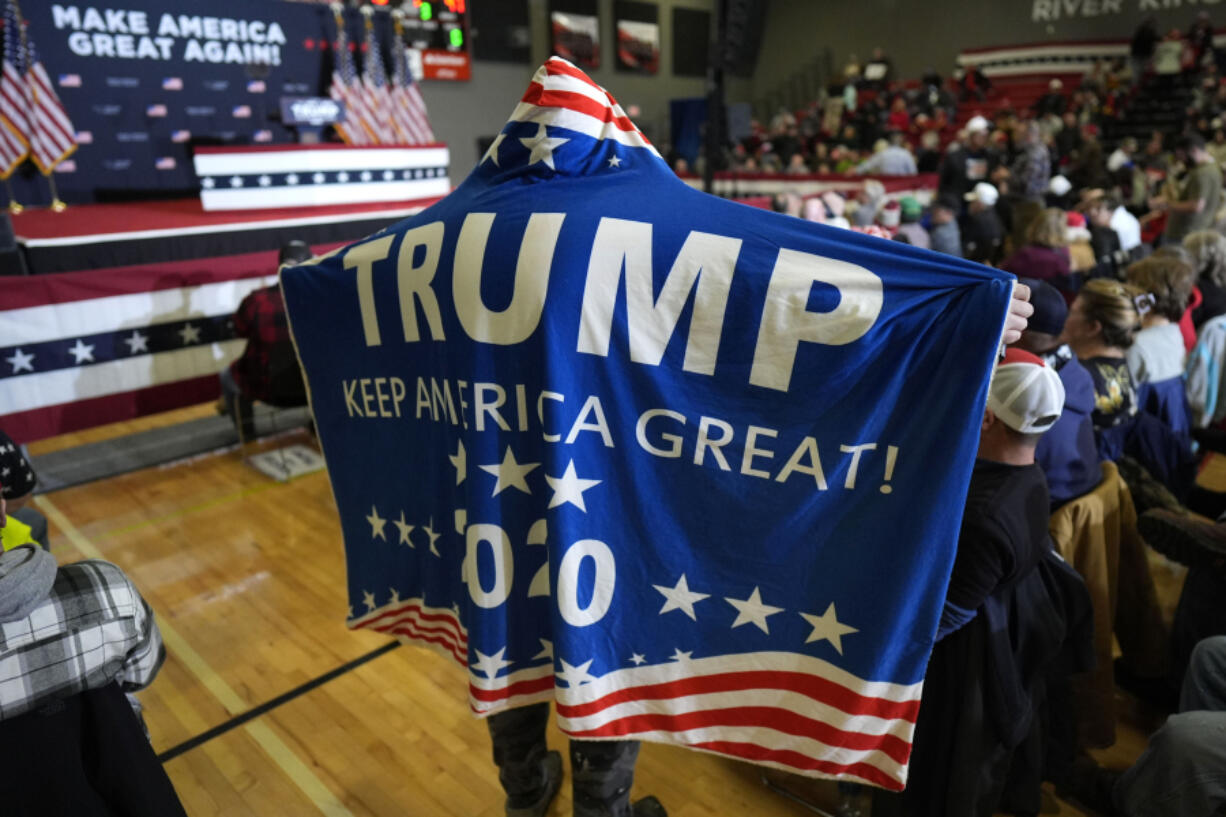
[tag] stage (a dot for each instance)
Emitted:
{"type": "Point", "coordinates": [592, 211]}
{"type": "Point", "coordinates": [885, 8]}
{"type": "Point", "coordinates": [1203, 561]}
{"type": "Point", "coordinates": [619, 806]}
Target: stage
{"type": "Point", "coordinates": [102, 236]}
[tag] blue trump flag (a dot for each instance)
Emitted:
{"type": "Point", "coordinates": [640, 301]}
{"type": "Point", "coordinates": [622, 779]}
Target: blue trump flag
{"type": "Point", "coordinates": [692, 470]}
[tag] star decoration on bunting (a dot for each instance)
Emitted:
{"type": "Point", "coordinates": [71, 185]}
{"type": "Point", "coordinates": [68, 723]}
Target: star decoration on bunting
{"type": "Point", "coordinates": [207, 183]}
{"type": "Point", "coordinates": [510, 474]}
{"type": "Point", "coordinates": [21, 361]}
{"type": "Point", "coordinates": [753, 611]}
{"type": "Point", "coordinates": [542, 146]}
{"type": "Point", "coordinates": [291, 179]}
{"type": "Point", "coordinates": [389, 175]}
{"type": "Point", "coordinates": [614, 161]}
{"type": "Point", "coordinates": [83, 352]}
{"type": "Point", "coordinates": [265, 180]}
{"type": "Point", "coordinates": [366, 175]}
{"type": "Point", "coordinates": [369, 600]}
{"type": "Point", "coordinates": [190, 334]}
{"type": "Point", "coordinates": [342, 177]}
{"type": "Point", "coordinates": [376, 524]}
{"type": "Point", "coordinates": [404, 528]}
{"type": "Point", "coordinates": [429, 529]}
{"type": "Point", "coordinates": [638, 659]}
{"type": "Point", "coordinates": [546, 650]}
{"type": "Point", "coordinates": [491, 664]}
{"type": "Point", "coordinates": [828, 627]}
{"type": "Point", "coordinates": [569, 488]}
{"type": "Point", "coordinates": [680, 597]}
{"type": "Point", "coordinates": [236, 181]}
{"type": "Point", "coordinates": [459, 461]}
{"type": "Point", "coordinates": [492, 152]}
{"type": "Point", "coordinates": [576, 676]}
{"type": "Point", "coordinates": [318, 178]}
{"type": "Point", "coordinates": [137, 342]}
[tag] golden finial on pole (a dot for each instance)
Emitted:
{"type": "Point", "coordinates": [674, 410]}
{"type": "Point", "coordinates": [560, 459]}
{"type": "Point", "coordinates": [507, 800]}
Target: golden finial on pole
{"type": "Point", "coordinates": [57, 205]}
{"type": "Point", "coordinates": [14, 206]}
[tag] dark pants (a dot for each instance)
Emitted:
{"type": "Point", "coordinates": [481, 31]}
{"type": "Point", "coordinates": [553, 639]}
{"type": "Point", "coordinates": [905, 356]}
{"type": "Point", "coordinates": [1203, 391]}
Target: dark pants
{"type": "Point", "coordinates": [602, 771]}
{"type": "Point", "coordinates": [240, 408]}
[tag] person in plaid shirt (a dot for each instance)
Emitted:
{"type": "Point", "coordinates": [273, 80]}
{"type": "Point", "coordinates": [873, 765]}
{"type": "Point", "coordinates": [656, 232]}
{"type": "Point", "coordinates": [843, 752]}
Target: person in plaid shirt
{"type": "Point", "coordinates": [70, 629]}
{"type": "Point", "coordinates": [268, 369]}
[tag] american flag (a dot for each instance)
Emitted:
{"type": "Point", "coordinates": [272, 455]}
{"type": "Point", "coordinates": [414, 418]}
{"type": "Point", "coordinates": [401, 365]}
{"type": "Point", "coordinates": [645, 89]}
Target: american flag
{"type": "Point", "coordinates": [14, 93]}
{"type": "Point", "coordinates": [408, 108]}
{"type": "Point", "coordinates": [12, 152]}
{"type": "Point", "coordinates": [346, 88]}
{"type": "Point", "coordinates": [52, 135]}
{"type": "Point", "coordinates": [378, 95]}
{"type": "Point", "coordinates": [547, 506]}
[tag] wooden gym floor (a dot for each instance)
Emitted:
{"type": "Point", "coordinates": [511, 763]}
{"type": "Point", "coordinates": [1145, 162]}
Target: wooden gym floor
{"type": "Point", "coordinates": [245, 576]}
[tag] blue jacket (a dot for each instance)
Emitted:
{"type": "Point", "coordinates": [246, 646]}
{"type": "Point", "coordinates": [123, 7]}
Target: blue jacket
{"type": "Point", "coordinates": [1068, 453]}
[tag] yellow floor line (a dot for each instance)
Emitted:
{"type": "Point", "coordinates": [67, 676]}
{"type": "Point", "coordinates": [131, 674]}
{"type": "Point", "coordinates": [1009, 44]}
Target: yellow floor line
{"type": "Point", "coordinates": [282, 755]}
{"type": "Point", "coordinates": [199, 506]}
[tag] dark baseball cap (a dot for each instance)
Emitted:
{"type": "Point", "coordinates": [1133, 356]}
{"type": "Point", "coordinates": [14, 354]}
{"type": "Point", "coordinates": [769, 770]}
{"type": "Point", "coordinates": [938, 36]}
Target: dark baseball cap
{"type": "Point", "coordinates": [1050, 308]}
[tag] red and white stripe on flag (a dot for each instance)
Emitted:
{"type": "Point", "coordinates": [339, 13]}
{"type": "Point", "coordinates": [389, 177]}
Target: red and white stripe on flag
{"type": "Point", "coordinates": [780, 709]}
{"type": "Point", "coordinates": [52, 135]}
{"type": "Point", "coordinates": [12, 152]}
{"type": "Point", "coordinates": [15, 102]}
{"type": "Point", "coordinates": [352, 130]}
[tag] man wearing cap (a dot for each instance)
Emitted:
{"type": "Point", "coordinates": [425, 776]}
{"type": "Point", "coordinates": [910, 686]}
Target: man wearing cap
{"type": "Point", "coordinates": [1067, 453]}
{"type": "Point", "coordinates": [977, 692]}
{"type": "Point", "coordinates": [909, 214]}
{"type": "Point", "coordinates": [1197, 205]}
{"type": "Point", "coordinates": [982, 232]}
{"type": "Point", "coordinates": [969, 163]}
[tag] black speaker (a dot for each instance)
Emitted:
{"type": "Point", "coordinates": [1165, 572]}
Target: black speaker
{"type": "Point", "coordinates": [743, 35]}
{"type": "Point", "coordinates": [12, 262]}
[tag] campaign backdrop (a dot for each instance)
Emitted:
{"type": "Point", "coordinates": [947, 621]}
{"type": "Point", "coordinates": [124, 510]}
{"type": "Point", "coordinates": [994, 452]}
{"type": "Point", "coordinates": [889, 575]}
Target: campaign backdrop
{"type": "Point", "coordinates": [692, 470]}
{"type": "Point", "coordinates": [146, 80]}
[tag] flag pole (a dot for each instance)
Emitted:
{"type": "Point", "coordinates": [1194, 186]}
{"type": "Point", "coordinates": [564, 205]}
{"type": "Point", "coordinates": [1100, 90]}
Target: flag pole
{"type": "Point", "coordinates": [14, 206]}
{"type": "Point", "coordinates": [57, 205]}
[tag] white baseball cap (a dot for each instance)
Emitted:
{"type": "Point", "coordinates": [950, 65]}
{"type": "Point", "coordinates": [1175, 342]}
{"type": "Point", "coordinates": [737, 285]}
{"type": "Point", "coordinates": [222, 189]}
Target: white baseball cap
{"type": "Point", "coordinates": [1026, 394]}
{"type": "Point", "coordinates": [984, 193]}
{"type": "Point", "coordinates": [1059, 185]}
{"type": "Point", "coordinates": [977, 124]}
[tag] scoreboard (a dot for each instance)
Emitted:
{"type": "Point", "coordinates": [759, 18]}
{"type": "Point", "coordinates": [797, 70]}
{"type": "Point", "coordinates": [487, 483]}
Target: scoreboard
{"type": "Point", "coordinates": [437, 30]}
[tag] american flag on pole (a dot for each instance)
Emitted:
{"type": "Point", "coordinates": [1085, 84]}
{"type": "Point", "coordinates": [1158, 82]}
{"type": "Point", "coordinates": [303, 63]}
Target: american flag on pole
{"type": "Point", "coordinates": [15, 102]}
{"type": "Point", "coordinates": [375, 87]}
{"type": "Point", "coordinates": [346, 88]}
{"type": "Point", "coordinates": [408, 108]}
{"type": "Point", "coordinates": [52, 136]}
{"type": "Point", "coordinates": [650, 454]}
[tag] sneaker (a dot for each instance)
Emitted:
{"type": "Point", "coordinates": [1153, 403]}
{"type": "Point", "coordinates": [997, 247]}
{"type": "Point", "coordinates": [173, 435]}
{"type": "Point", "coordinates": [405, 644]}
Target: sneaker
{"type": "Point", "coordinates": [1186, 540]}
{"type": "Point", "coordinates": [649, 806]}
{"type": "Point", "coordinates": [553, 782]}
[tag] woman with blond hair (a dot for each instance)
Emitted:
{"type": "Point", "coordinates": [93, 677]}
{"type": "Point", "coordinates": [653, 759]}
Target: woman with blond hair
{"type": "Point", "coordinates": [1208, 251]}
{"type": "Point", "coordinates": [1102, 325]}
{"type": "Point", "coordinates": [1045, 254]}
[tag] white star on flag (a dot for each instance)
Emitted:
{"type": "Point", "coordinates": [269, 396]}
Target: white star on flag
{"type": "Point", "coordinates": [459, 461]}
{"type": "Point", "coordinates": [753, 611]}
{"type": "Point", "coordinates": [376, 524]}
{"type": "Point", "coordinates": [510, 474]}
{"type": "Point", "coordinates": [369, 600]}
{"type": "Point", "coordinates": [828, 627]}
{"type": "Point", "coordinates": [678, 655]}
{"type": "Point", "coordinates": [137, 342]}
{"type": "Point", "coordinates": [569, 488]}
{"type": "Point", "coordinates": [546, 649]}
{"type": "Point", "coordinates": [492, 152]}
{"type": "Point", "coordinates": [615, 161]}
{"type": "Point", "coordinates": [190, 334]}
{"type": "Point", "coordinates": [429, 529]}
{"type": "Point", "coordinates": [491, 664]}
{"type": "Point", "coordinates": [576, 676]}
{"type": "Point", "coordinates": [404, 528]}
{"type": "Point", "coordinates": [680, 597]}
{"type": "Point", "coordinates": [542, 146]}
{"type": "Point", "coordinates": [83, 352]}
{"type": "Point", "coordinates": [638, 658]}
{"type": "Point", "coordinates": [395, 597]}
{"type": "Point", "coordinates": [21, 361]}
